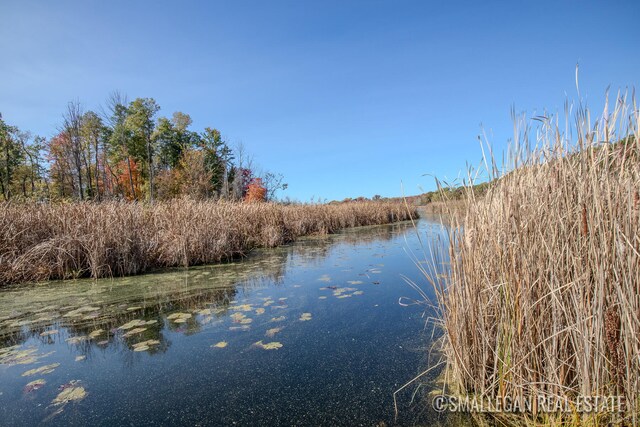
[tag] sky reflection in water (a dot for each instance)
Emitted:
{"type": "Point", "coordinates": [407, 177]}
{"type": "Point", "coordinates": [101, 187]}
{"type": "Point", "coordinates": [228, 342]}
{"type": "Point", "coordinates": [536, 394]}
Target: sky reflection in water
{"type": "Point", "coordinates": [307, 334]}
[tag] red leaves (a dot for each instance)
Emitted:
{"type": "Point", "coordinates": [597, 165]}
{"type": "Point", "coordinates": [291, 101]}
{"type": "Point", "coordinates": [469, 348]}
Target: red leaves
{"type": "Point", "coordinates": [256, 192]}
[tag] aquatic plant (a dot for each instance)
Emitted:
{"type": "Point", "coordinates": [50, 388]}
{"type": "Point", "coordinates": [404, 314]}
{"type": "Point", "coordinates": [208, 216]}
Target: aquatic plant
{"type": "Point", "coordinates": [542, 297]}
{"type": "Point", "coordinates": [41, 241]}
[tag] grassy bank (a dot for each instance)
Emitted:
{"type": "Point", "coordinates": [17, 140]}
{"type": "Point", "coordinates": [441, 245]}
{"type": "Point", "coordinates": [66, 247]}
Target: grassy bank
{"type": "Point", "coordinates": [542, 298]}
{"type": "Point", "coordinates": [56, 241]}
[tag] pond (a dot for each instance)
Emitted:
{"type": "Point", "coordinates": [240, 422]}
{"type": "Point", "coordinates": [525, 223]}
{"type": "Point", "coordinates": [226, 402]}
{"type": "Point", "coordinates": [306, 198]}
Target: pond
{"type": "Point", "coordinates": [306, 334]}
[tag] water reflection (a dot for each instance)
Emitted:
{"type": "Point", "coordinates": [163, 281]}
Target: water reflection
{"type": "Point", "coordinates": [306, 334]}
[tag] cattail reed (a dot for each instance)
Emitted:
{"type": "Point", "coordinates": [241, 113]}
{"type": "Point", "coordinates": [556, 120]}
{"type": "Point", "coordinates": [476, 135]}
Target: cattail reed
{"type": "Point", "coordinates": [543, 300]}
{"type": "Point", "coordinates": [68, 240]}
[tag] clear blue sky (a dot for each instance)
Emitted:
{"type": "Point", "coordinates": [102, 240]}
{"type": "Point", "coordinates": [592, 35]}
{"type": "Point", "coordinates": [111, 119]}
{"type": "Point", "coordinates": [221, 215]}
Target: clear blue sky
{"type": "Point", "coordinates": [345, 98]}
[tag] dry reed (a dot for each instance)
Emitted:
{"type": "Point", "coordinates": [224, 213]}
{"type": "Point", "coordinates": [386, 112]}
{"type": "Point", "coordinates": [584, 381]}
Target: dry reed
{"type": "Point", "coordinates": [542, 297]}
{"type": "Point", "coordinates": [58, 241]}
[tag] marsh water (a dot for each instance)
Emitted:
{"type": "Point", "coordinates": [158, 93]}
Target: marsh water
{"type": "Point", "coordinates": [313, 333]}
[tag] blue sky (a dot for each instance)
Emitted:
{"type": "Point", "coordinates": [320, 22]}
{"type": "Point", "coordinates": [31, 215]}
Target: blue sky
{"type": "Point", "coordinates": [345, 98]}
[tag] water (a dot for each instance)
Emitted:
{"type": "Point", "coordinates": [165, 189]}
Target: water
{"type": "Point", "coordinates": [333, 341]}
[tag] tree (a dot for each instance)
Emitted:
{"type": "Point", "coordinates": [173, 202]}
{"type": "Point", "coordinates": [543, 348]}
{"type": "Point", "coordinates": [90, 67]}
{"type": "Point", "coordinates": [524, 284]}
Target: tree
{"type": "Point", "coordinates": [140, 123]}
{"type": "Point", "coordinates": [272, 183]}
{"type": "Point", "coordinates": [32, 174]}
{"type": "Point", "coordinates": [242, 173]}
{"type": "Point", "coordinates": [118, 143]}
{"type": "Point", "coordinates": [92, 132]}
{"type": "Point", "coordinates": [11, 156]}
{"type": "Point", "coordinates": [72, 120]}
{"type": "Point", "coordinates": [124, 152]}
{"type": "Point", "coordinates": [172, 138]}
{"type": "Point", "coordinates": [256, 192]}
{"type": "Point", "coordinates": [218, 160]}
{"type": "Point", "coordinates": [61, 170]}
{"type": "Point", "coordinates": [194, 177]}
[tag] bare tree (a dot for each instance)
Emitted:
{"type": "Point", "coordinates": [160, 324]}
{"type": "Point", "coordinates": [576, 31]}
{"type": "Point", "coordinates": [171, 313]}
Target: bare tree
{"type": "Point", "coordinates": [72, 120]}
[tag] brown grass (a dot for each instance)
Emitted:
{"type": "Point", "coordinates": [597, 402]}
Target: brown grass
{"type": "Point", "coordinates": [58, 241]}
{"type": "Point", "coordinates": [542, 298]}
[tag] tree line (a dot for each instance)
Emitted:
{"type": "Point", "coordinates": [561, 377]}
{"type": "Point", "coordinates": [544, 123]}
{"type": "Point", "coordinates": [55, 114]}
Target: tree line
{"type": "Point", "coordinates": [127, 152]}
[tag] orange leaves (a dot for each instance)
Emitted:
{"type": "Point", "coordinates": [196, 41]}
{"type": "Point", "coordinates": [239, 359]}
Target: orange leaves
{"type": "Point", "coordinates": [129, 179]}
{"type": "Point", "coordinates": [256, 191]}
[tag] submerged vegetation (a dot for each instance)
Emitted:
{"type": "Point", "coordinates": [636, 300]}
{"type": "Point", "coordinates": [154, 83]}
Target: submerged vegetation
{"type": "Point", "coordinates": [217, 326]}
{"type": "Point", "coordinates": [542, 298]}
{"type": "Point", "coordinates": [41, 241]}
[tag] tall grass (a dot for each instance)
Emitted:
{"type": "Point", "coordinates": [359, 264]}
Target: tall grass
{"type": "Point", "coordinates": [57, 241]}
{"type": "Point", "coordinates": [543, 294]}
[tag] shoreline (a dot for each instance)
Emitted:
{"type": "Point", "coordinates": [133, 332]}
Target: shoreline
{"type": "Point", "coordinates": [114, 239]}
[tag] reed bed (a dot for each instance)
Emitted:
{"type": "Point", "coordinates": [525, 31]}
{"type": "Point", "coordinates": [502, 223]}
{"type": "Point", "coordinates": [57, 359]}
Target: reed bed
{"type": "Point", "coordinates": [542, 296]}
{"type": "Point", "coordinates": [69, 240]}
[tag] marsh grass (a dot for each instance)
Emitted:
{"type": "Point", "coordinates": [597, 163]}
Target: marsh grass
{"type": "Point", "coordinates": [542, 294]}
{"type": "Point", "coordinates": [68, 240]}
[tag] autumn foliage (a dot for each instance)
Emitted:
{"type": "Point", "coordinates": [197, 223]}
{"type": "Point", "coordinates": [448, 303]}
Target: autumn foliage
{"type": "Point", "coordinates": [256, 191]}
{"type": "Point", "coordinates": [127, 153]}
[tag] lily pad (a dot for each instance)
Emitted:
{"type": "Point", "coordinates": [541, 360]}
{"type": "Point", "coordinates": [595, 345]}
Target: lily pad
{"type": "Point", "coordinates": [269, 346]}
{"type": "Point", "coordinates": [260, 311]}
{"type": "Point", "coordinates": [305, 317]}
{"type": "Point", "coordinates": [34, 385]}
{"type": "Point", "coordinates": [71, 394]}
{"type": "Point", "coordinates": [14, 356]}
{"type": "Point", "coordinates": [134, 332]}
{"type": "Point", "coordinates": [179, 317]}
{"type": "Point", "coordinates": [237, 317]}
{"type": "Point", "coordinates": [221, 344]}
{"type": "Point", "coordinates": [145, 345]}
{"type": "Point", "coordinates": [77, 340]}
{"type": "Point", "coordinates": [80, 358]}
{"type": "Point", "coordinates": [46, 369]}
{"type": "Point", "coordinates": [79, 311]}
{"type": "Point", "coordinates": [340, 291]}
{"type": "Point", "coordinates": [278, 319]}
{"type": "Point", "coordinates": [96, 333]}
{"type": "Point", "coordinates": [271, 332]}
{"type": "Point", "coordinates": [132, 324]}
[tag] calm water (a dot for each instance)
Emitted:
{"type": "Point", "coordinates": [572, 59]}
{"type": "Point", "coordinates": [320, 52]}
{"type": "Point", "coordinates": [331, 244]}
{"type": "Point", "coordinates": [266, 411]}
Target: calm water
{"type": "Point", "coordinates": [333, 343]}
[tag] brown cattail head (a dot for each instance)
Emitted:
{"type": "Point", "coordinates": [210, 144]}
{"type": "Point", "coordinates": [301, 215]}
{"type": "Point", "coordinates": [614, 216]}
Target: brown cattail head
{"type": "Point", "coordinates": [585, 226]}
